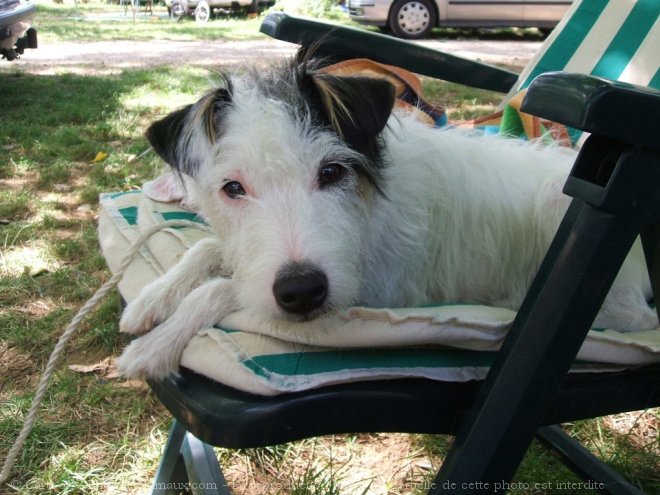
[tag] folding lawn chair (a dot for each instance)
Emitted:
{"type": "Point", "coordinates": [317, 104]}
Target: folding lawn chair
{"type": "Point", "coordinates": [616, 189]}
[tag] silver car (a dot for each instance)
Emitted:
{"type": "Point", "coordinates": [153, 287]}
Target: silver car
{"type": "Point", "coordinates": [415, 18]}
{"type": "Point", "coordinates": [15, 32]}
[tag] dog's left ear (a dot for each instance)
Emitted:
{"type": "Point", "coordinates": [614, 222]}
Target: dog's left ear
{"type": "Point", "coordinates": [356, 107]}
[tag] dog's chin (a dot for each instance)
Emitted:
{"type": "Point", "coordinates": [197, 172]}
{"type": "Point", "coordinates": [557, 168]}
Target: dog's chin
{"type": "Point", "coordinates": [285, 316]}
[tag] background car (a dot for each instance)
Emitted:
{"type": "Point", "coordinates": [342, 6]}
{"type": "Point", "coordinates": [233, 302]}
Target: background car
{"type": "Point", "coordinates": [15, 32]}
{"type": "Point", "coordinates": [414, 19]}
{"type": "Point", "coordinates": [203, 10]}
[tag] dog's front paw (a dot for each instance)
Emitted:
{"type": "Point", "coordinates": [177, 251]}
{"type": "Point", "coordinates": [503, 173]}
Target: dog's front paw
{"type": "Point", "coordinates": [146, 357]}
{"type": "Point", "coordinates": [143, 314]}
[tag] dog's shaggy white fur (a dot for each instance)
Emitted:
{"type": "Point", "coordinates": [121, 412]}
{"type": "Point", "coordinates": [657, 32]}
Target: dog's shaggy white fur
{"type": "Point", "coordinates": [322, 198]}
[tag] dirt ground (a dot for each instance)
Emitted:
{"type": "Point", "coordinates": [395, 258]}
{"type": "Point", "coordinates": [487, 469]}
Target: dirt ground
{"type": "Point", "coordinates": [107, 57]}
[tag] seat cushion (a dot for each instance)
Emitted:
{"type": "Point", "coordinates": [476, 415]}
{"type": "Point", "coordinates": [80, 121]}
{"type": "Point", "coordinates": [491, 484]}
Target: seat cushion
{"type": "Point", "coordinates": [444, 342]}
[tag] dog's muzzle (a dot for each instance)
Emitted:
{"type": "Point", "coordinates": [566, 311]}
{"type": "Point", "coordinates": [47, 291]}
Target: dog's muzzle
{"type": "Point", "coordinates": [300, 288]}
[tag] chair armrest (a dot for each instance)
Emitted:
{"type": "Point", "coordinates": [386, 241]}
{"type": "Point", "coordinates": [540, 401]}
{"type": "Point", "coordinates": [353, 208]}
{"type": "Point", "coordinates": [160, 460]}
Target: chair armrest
{"type": "Point", "coordinates": [611, 109]}
{"type": "Point", "coordinates": [343, 42]}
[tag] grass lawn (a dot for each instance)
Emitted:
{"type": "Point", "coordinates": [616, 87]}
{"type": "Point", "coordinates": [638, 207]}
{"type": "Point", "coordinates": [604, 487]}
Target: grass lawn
{"type": "Point", "coordinates": [96, 22]}
{"type": "Point", "coordinates": [99, 434]}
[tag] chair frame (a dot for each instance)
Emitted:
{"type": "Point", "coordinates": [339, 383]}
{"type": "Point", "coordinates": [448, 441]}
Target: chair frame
{"type": "Point", "coordinates": [615, 184]}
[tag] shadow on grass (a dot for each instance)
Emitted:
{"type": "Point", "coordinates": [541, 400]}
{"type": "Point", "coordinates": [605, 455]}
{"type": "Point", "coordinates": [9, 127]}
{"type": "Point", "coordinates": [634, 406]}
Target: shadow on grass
{"type": "Point", "coordinates": [543, 473]}
{"type": "Point", "coordinates": [497, 34]}
{"type": "Point", "coordinates": [58, 116]}
{"type": "Point", "coordinates": [476, 34]}
{"type": "Point", "coordinates": [51, 128]}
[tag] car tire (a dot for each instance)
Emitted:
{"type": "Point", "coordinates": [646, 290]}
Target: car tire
{"type": "Point", "coordinates": [412, 19]}
{"type": "Point", "coordinates": [203, 12]}
{"type": "Point", "coordinates": [178, 9]}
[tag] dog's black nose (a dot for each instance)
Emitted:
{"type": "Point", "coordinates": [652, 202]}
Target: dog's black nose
{"type": "Point", "coordinates": [300, 288]}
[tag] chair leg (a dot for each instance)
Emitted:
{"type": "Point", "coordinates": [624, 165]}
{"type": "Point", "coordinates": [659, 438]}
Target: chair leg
{"type": "Point", "coordinates": [188, 465]}
{"type": "Point", "coordinates": [171, 470]}
{"type": "Point", "coordinates": [585, 464]}
{"type": "Point", "coordinates": [511, 403]}
{"type": "Point", "coordinates": [203, 468]}
{"type": "Point", "coordinates": [651, 243]}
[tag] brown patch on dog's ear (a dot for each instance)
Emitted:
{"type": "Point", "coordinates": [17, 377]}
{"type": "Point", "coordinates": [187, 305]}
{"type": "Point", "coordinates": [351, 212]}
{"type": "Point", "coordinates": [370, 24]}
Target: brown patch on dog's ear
{"type": "Point", "coordinates": [172, 136]}
{"type": "Point", "coordinates": [209, 110]}
{"type": "Point", "coordinates": [357, 108]}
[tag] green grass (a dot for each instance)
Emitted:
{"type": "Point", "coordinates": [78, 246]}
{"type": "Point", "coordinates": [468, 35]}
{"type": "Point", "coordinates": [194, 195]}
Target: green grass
{"type": "Point", "coordinates": [97, 434]}
{"type": "Point", "coordinates": [50, 264]}
{"type": "Point", "coordinates": [107, 21]}
{"type": "Point", "coordinates": [460, 102]}
{"type": "Point", "coordinates": [14, 206]}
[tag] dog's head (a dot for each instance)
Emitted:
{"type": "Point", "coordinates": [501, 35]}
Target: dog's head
{"type": "Point", "coordinates": [285, 168]}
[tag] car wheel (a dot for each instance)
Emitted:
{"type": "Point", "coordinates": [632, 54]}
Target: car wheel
{"type": "Point", "coordinates": [178, 10]}
{"type": "Point", "coordinates": [202, 12]}
{"type": "Point", "coordinates": [412, 19]}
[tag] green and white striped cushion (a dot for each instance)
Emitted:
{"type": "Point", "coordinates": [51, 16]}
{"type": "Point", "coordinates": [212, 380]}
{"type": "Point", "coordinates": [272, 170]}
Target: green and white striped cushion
{"type": "Point", "coordinates": [445, 342]}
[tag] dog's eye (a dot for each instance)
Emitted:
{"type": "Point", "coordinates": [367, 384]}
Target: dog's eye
{"type": "Point", "coordinates": [330, 173]}
{"type": "Point", "coordinates": [233, 189]}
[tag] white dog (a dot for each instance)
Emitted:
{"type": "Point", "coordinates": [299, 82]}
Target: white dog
{"type": "Point", "coordinates": [322, 197]}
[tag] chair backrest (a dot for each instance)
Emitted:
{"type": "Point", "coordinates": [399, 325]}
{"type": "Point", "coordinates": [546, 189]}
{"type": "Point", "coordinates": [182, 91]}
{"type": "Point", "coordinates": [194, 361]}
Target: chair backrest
{"type": "Point", "coordinates": [615, 39]}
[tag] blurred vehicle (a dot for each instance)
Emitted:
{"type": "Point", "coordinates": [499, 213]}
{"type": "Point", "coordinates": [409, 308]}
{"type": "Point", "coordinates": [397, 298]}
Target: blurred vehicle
{"type": "Point", "coordinates": [16, 33]}
{"type": "Point", "coordinates": [414, 19]}
{"type": "Point", "coordinates": [203, 10]}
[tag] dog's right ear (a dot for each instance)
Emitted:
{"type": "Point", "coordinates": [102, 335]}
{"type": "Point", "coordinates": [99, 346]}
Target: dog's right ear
{"type": "Point", "coordinates": [183, 137]}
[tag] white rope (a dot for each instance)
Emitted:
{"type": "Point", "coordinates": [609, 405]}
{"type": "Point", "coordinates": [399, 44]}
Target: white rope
{"type": "Point", "coordinates": [54, 358]}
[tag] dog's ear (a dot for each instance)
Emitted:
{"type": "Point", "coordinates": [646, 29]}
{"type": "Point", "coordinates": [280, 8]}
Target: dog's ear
{"type": "Point", "coordinates": [357, 108]}
{"type": "Point", "coordinates": [181, 137]}
{"type": "Point", "coordinates": [164, 135]}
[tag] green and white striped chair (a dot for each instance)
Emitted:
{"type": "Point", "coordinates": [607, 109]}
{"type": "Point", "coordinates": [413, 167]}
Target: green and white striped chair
{"type": "Point", "coordinates": [614, 39]}
{"type": "Point", "coordinates": [255, 385]}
